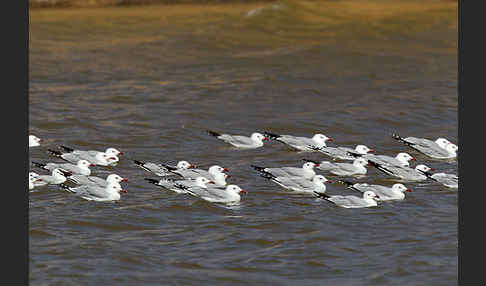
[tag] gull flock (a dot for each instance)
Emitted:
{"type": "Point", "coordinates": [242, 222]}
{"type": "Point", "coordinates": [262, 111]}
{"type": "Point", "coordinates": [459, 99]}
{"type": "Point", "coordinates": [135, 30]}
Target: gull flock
{"type": "Point", "coordinates": [73, 174]}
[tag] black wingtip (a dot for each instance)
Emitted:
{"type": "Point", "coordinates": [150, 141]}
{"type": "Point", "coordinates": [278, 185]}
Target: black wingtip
{"type": "Point", "coordinates": [213, 133]}
{"type": "Point", "coordinates": [321, 195]}
{"type": "Point", "coordinates": [312, 161]}
{"type": "Point", "coordinates": [39, 165]}
{"type": "Point", "coordinates": [66, 188]}
{"type": "Point", "coordinates": [259, 169]}
{"type": "Point", "coordinates": [55, 153]}
{"type": "Point", "coordinates": [152, 181]}
{"type": "Point", "coordinates": [67, 149]}
{"type": "Point", "coordinates": [347, 183]}
{"type": "Point", "coordinates": [139, 163]}
{"type": "Point", "coordinates": [353, 154]}
{"type": "Point", "coordinates": [271, 135]}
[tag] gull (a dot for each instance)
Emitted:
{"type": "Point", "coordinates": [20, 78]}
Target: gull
{"type": "Point", "coordinates": [193, 173]}
{"type": "Point", "coordinates": [395, 192]}
{"type": "Point", "coordinates": [368, 200]}
{"type": "Point", "coordinates": [300, 185]}
{"type": "Point", "coordinates": [34, 141]}
{"type": "Point", "coordinates": [306, 171]}
{"type": "Point", "coordinates": [227, 195]}
{"type": "Point", "coordinates": [438, 149]}
{"type": "Point", "coordinates": [81, 168]}
{"type": "Point", "coordinates": [163, 170]}
{"type": "Point", "coordinates": [448, 180]}
{"type": "Point", "coordinates": [401, 159]}
{"type": "Point", "coordinates": [345, 169]}
{"type": "Point", "coordinates": [100, 158]}
{"type": "Point", "coordinates": [254, 141]}
{"type": "Point", "coordinates": [179, 186]}
{"type": "Point", "coordinates": [343, 153]}
{"type": "Point", "coordinates": [93, 180]}
{"type": "Point", "coordinates": [96, 193]}
{"type": "Point", "coordinates": [89, 155]}
{"type": "Point", "coordinates": [300, 143]}
{"type": "Point", "coordinates": [404, 173]}
{"type": "Point", "coordinates": [33, 181]}
{"type": "Point", "coordinates": [58, 176]}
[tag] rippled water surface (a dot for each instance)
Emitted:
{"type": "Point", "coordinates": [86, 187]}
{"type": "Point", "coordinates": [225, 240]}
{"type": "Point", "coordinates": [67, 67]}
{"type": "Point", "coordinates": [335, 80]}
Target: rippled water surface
{"type": "Point", "coordinates": [150, 80]}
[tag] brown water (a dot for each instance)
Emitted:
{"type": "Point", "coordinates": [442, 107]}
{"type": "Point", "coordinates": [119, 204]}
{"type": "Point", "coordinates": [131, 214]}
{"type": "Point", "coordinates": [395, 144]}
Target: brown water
{"type": "Point", "coordinates": [150, 80]}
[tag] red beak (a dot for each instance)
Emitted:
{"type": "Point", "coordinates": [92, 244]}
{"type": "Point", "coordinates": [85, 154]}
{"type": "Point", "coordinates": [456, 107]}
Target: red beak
{"type": "Point", "coordinates": [211, 182]}
{"type": "Point", "coordinates": [408, 190]}
{"type": "Point", "coordinates": [371, 151]}
{"type": "Point", "coordinates": [192, 166]}
{"type": "Point", "coordinates": [123, 191]}
{"type": "Point", "coordinates": [376, 196]}
{"type": "Point", "coordinates": [91, 165]}
{"type": "Point", "coordinates": [432, 169]}
{"type": "Point", "coordinates": [243, 192]}
{"type": "Point", "coordinates": [225, 170]}
{"type": "Point", "coordinates": [329, 181]}
{"type": "Point", "coordinates": [124, 180]}
{"type": "Point", "coordinates": [413, 159]}
{"type": "Point", "coordinates": [121, 153]}
{"type": "Point", "coordinates": [228, 176]}
{"type": "Point", "coordinates": [329, 139]}
{"type": "Point", "coordinates": [265, 139]}
{"type": "Point", "coordinates": [112, 158]}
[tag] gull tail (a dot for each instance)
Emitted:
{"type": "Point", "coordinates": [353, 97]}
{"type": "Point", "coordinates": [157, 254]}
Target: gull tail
{"type": "Point", "coordinates": [39, 165]}
{"type": "Point", "coordinates": [152, 181]}
{"type": "Point", "coordinates": [273, 136]}
{"type": "Point", "coordinates": [66, 188]}
{"type": "Point", "coordinates": [322, 195]}
{"type": "Point", "coordinates": [67, 149]}
{"type": "Point", "coordinates": [212, 133]}
{"type": "Point", "coordinates": [55, 153]}
{"type": "Point", "coordinates": [397, 137]}
{"type": "Point", "coordinates": [346, 183]}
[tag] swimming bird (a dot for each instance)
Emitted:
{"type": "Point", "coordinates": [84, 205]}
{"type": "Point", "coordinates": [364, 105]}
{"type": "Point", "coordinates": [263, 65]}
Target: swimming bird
{"type": "Point", "coordinates": [254, 141]}
{"type": "Point", "coordinates": [298, 142]}
{"type": "Point", "coordinates": [99, 159]}
{"type": "Point", "coordinates": [34, 141]}
{"type": "Point", "coordinates": [401, 159]}
{"type": "Point", "coordinates": [57, 176]}
{"type": "Point", "coordinates": [211, 173]}
{"type": "Point", "coordinates": [96, 193]}
{"type": "Point", "coordinates": [438, 149]}
{"type": "Point", "coordinates": [395, 192]}
{"type": "Point", "coordinates": [89, 155]}
{"type": "Point", "coordinates": [306, 171]}
{"type": "Point", "coordinates": [404, 173]}
{"type": "Point", "coordinates": [227, 195]}
{"type": "Point", "coordinates": [345, 169]}
{"type": "Point", "coordinates": [448, 180]}
{"type": "Point", "coordinates": [343, 153]}
{"type": "Point", "coordinates": [367, 200]}
{"type": "Point", "coordinates": [81, 168]}
{"type": "Point", "coordinates": [32, 182]}
{"type": "Point", "coordinates": [179, 186]}
{"type": "Point", "coordinates": [163, 170]}
{"type": "Point", "coordinates": [300, 185]}
{"type": "Point", "coordinates": [93, 180]}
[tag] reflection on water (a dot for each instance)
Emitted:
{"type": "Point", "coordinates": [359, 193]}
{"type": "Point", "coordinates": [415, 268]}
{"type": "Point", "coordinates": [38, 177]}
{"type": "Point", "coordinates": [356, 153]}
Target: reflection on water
{"type": "Point", "coordinates": [150, 80]}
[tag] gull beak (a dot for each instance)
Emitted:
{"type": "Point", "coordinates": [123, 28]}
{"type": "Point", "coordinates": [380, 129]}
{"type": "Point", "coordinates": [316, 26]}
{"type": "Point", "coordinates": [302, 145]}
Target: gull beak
{"type": "Point", "coordinates": [329, 139]}
{"type": "Point", "coordinates": [371, 151]}
{"type": "Point", "coordinates": [192, 166]}
{"type": "Point", "coordinates": [329, 181]}
{"type": "Point", "coordinates": [91, 165]}
{"type": "Point", "coordinates": [376, 196]}
{"type": "Point", "coordinates": [212, 182]}
{"type": "Point", "coordinates": [413, 159]}
{"type": "Point", "coordinates": [121, 153]}
{"type": "Point", "coordinates": [225, 170]}
{"type": "Point", "coordinates": [265, 139]}
{"type": "Point", "coordinates": [243, 192]}
{"type": "Point", "coordinates": [124, 180]}
{"type": "Point", "coordinates": [123, 191]}
{"type": "Point", "coordinates": [228, 176]}
{"type": "Point", "coordinates": [408, 190]}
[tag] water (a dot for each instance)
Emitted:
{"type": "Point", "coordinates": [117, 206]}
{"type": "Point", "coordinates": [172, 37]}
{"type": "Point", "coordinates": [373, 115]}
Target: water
{"type": "Point", "coordinates": [150, 80]}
